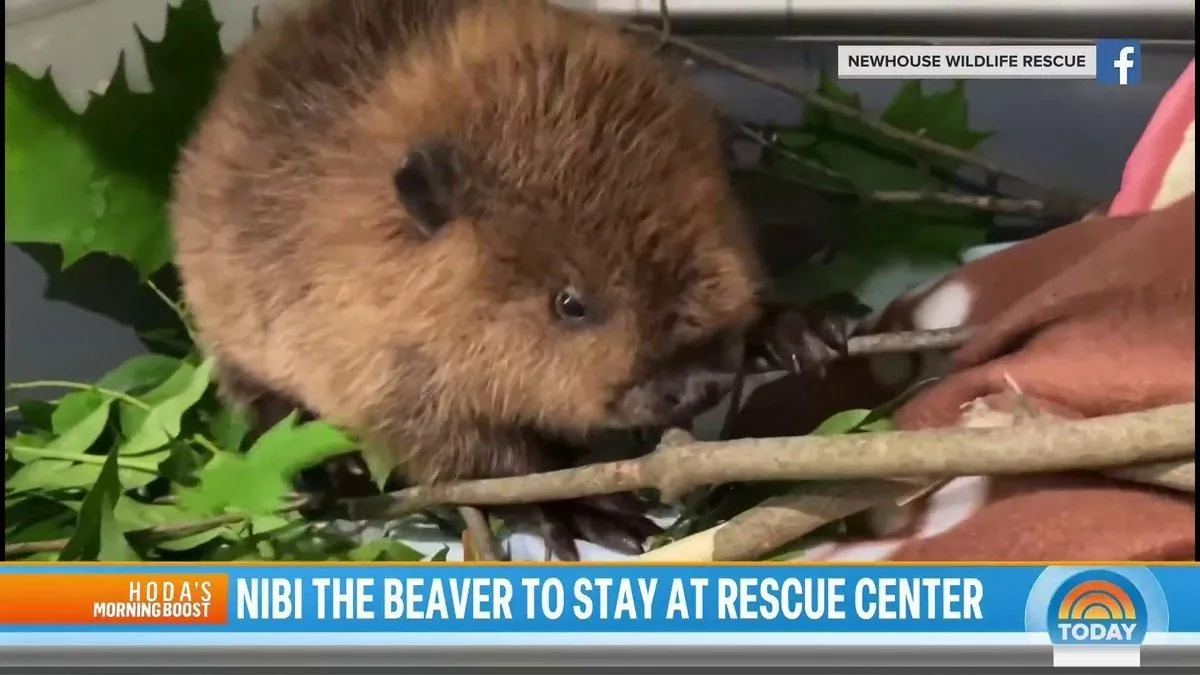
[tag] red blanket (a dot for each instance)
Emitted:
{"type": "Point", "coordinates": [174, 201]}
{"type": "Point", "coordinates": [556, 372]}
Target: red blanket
{"type": "Point", "coordinates": [1091, 319]}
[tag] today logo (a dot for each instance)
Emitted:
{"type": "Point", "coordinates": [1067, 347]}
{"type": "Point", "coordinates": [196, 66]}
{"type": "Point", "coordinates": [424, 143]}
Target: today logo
{"type": "Point", "coordinates": [1096, 607]}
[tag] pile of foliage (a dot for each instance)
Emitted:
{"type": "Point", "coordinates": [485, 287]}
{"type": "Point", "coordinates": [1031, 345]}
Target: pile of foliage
{"type": "Point", "coordinates": [146, 464]}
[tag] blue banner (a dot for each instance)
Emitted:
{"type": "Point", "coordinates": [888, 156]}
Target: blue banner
{"type": "Point", "coordinates": [1073, 605]}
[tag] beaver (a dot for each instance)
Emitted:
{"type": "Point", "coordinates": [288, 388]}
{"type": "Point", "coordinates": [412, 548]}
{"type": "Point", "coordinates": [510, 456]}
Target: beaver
{"type": "Point", "coordinates": [470, 232]}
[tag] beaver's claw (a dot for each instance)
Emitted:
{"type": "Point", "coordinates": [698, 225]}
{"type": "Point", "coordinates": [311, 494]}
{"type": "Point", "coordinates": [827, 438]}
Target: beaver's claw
{"type": "Point", "coordinates": [617, 522]}
{"type": "Point", "coordinates": [798, 340]}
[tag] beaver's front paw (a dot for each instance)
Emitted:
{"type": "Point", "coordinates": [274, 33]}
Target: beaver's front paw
{"type": "Point", "coordinates": [617, 522]}
{"type": "Point", "coordinates": [798, 340]}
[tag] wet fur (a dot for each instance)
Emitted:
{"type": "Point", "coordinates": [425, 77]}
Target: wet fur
{"type": "Point", "coordinates": [578, 160]}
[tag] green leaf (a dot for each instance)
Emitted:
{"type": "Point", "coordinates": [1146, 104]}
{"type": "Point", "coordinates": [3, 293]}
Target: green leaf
{"type": "Point", "coordinates": [133, 416]}
{"type": "Point", "coordinates": [259, 482]}
{"type": "Point", "coordinates": [165, 419]}
{"type": "Point", "coordinates": [50, 474]}
{"type": "Point", "coordinates": [43, 154]}
{"type": "Point", "coordinates": [139, 373]}
{"type": "Point", "coordinates": [184, 66]}
{"type": "Point", "coordinates": [228, 429]}
{"type": "Point", "coordinates": [440, 556]}
{"type": "Point", "coordinates": [37, 414]}
{"type": "Point", "coordinates": [268, 523]}
{"type": "Point", "coordinates": [844, 422]}
{"type": "Point", "coordinates": [384, 550]}
{"type": "Point", "coordinates": [287, 448]}
{"type": "Point", "coordinates": [181, 463]}
{"type": "Point", "coordinates": [941, 116]}
{"type": "Point", "coordinates": [80, 423]}
{"type": "Point", "coordinates": [873, 162]}
{"type": "Point", "coordinates": [98, 182]}
{"type": "Point", "coordinates": [817, 118]}
{"type": "Point", "coordinates": [193, 541]}
{"type": "Point", "coordinates": [131, 515]}
{"type": "Point", "coordinates": [231, 482]}
{"type": "Point", "coordinates": [74, 407]}
{"type": "Point", "coordinates": [54, 473]}
{"type": "Point", "coordinates": [36, 518]}
{"type": "Point", "coordinates": [28, 440]}
{"type": "Point", "coordinates": [97, 535]}
{"type": "Point", "coordinates": [878, 425]}
{"type": "Point", "coordinates": [855, 421]}
{"type": "Point", "coordinates": [882, 233]}
{"type": "Point", "coordinates": [134, 478]}
{"type": "Point", "coordinates": [881, 415]}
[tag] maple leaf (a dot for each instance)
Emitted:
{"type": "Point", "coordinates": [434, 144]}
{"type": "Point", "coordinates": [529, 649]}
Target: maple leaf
{"type": "Point", "coordinates": [871, 161]}
{"type": "Point", "coordinates": [99, 181]}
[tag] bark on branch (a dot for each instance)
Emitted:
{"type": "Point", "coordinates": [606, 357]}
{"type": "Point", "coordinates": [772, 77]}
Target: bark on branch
{"type": "Point", "coordinates": [1160, 434]}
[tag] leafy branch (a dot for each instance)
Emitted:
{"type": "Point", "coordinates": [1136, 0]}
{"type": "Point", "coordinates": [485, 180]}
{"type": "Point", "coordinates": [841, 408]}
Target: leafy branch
{"type": "Point", "coordinates": [165, 467]}
{"type": "Point", "coordinates": [831, 102]}
{"type": "Point", "coordinates": [841, 184]}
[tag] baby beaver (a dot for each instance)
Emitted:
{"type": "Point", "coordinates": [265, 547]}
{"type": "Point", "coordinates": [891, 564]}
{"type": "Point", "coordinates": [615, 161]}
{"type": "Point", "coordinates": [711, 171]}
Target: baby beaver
{"type": "Point", "coordinates": [470, 232]}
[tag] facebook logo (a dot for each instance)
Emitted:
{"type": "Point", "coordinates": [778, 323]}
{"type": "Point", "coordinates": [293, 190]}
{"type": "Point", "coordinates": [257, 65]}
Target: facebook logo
{"type": "Point", "coordinates": [1119, 62]}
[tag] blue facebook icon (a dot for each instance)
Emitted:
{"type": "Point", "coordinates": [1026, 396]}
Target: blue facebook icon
{"type": "Point", "coordinates": [1119, 62]}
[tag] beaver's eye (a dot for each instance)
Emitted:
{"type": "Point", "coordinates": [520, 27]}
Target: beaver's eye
{"type": "Point", "coordinates": [569, 307]}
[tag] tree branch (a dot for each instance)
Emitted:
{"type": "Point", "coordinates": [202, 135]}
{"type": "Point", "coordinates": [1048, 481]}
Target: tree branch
{"type": "Point", "coordinates": [1040, 446]}
{"type": "Point", "coordinates": [778, 521]}
{"type": "Point", "coordinates": [1179, 474]}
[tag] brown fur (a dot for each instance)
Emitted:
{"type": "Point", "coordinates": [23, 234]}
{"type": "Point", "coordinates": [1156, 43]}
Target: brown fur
{"type": "Point", "coordinates": [589, 164]}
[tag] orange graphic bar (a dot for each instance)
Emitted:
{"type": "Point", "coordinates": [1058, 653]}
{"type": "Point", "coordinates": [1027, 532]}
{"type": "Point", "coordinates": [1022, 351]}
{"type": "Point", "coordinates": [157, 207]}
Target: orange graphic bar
{"type": "Point", "coordinates": [114, 599]}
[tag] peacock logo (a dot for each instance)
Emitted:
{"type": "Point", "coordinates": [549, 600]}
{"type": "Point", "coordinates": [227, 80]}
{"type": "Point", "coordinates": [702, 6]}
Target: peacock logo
{"type": "Point", "coordinates": [1097, 607]}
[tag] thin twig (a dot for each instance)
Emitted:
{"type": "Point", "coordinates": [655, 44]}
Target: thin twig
{"type": "Point", "coordinates": [964, 184]}
{"type": "Point", "coordinates": [812, 98]}
{"type": "Point", "coordinates": [990, 203]}
{"type": "Point", "coordinates": [664, 15]}
{"type": "Point", "coordinates": [177, 308]}
{"type": "Point", "coordinates": [908, 341]}
{"type": "Point", "coordinates": [897, 343]}
{"type": "Point", "coordinates": [479, 534]}
{"type": "Point", "coordinates": [1098, 443]}
{"type": "Point", "coordinates": [1006, 205]}
{"type": "Point", "coordinates": [65, 384]}
{"type": "Point", "coordinates": [784, 151]}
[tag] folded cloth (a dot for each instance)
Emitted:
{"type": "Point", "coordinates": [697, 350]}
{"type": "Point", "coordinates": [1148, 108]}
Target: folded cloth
{"type": "Point", "coordinates": [1162, 167]}
{"type": "Point", "coordinates": [1092, 319]}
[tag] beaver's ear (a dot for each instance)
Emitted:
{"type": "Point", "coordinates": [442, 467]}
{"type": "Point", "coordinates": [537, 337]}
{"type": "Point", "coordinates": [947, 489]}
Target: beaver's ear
{"type": "Point", "coordinates": [425, 187]}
